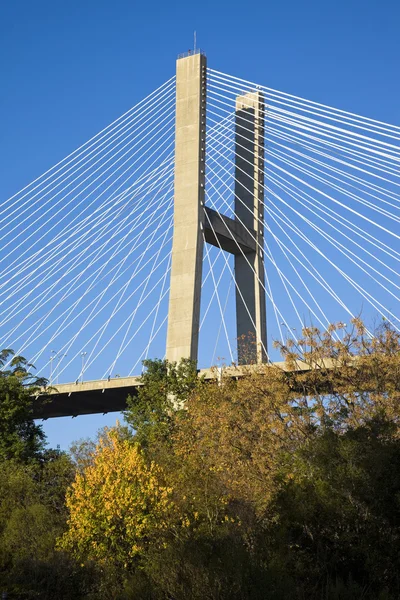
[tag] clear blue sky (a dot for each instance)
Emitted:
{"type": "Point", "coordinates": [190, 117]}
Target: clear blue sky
{"type": "Point", "coordinates": [70, 68]}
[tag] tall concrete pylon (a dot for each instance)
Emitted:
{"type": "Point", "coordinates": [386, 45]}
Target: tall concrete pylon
{"type": "Point", "coordinates": [189, 182]}
{"type": "Point", "coordinates": [249, 210]}
{"type": "Point", "coordinates": [194, 222]}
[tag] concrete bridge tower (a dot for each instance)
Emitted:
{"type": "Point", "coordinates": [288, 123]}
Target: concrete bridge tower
{"type": "Point", "coordinates": [239, 236]}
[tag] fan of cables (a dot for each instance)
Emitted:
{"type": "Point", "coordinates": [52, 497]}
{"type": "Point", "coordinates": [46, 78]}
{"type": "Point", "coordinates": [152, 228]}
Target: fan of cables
{"type": "Point", "coordinates": [331, 203]}
{"type": "Point", "coordinates": [86, 250]}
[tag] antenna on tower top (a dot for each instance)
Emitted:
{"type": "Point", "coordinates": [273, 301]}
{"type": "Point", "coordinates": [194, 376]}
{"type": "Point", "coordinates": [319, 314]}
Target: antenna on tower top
{"type": "Point", "coordinates": [194, 43]}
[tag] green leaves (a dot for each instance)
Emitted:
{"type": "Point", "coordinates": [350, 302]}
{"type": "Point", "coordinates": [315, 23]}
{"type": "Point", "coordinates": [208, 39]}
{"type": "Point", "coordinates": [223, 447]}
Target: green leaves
{"type": "Point", "coordinates": [165, 388]}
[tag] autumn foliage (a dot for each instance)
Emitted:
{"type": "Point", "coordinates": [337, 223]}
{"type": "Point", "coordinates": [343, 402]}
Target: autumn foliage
{"type": "Point", "coordinates": [274, 481]}
{"type": "Point", "coordinates": [116, 504]}
{"type": "Point", "coordinates": [281, 481]}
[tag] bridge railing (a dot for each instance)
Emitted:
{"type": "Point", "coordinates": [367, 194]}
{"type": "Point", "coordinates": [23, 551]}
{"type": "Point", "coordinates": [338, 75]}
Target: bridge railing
{"type": "Point", "coordinates": [191, 52]}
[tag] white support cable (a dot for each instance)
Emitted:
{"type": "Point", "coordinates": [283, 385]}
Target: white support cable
{"type": "Point", "coordinates": [219, 303]}
{"type": "Point", "coordinates": [119, 328]}
{"type": "Point", "coordinates": [158, 308]}
{"type": "Point", "coordinates": [74, 153]}
{"type": "Point", "coordinates": [121, 348]}
{"type": "Point", "coordinates": [348, 153]}
{"type": "Point", "coordinates": [384, 158]}
{"type": "Point", "coordinates": [135, 242]}
{"type": "Point", "coordinates": [366, 161]}
{"type": "Point", "coordinates": [93, 225]}
{"type": "Point", "coordinates": [369, 142]}
{"type": "Point", "coordinates": [289, 224]}
{"type": "Point", "coordinates": [156, 134]}
{"type": "Point", "coordinates": [303, 105]}
{"type": "Point", "coordinates": [318, 106]}
{"type": "Point", "coordinates": [68, 319]}
{"type": "Point", "coordinates": [273, 261]}
{"type": "Point", "coordinates": [81, 227]}
{"type": "Point", "coordinates": [74, 286]}
{"type": "Point", "coordinates": [283, 276]}
{"type": "Point", "coordinates": [340, 247]}
{"type": "Point", "coordinates": [354, 196]}
{"type": "Point", "coordinates": [277, 312]}
{"type": "Point", "coordinates": [273, 104]}
{"type": "Point", "coordinates": [380, 159]}
{"type": "Point", "coordinates": [93, 231]}
{"type": "Point", "coordinates": [295, 162]}
{"type": "Point", "coordinates": [369, 294]}
{"type": "Point", "coordinates": [337, 217]}
{"type": "Point", "coordinates": [247, 161]}
{"type": "Point", "coordinates": [85, 344]}
{"type": "Point", "coordinates": [300, 296]}
{"type": "Point", "coordinates": [316, 274]}
{"type": "Point", "coordinates": [151, 339]}
{"type": "Point", "coordinates": [271, 297]}
{"type": "Point", "coordinates": [289, 147]}
{"type": "Point", "coordinates": [334, 200]}
{"type": "Point", "coordinates": [220, 327]}
{"type": "Point", "coordinates": [366, 142]}
{"type": "Point", "coordinates": [204, 281]}
{"type": "Point", "coordinates": [103, 215]}
{"type": "Point", "coordinates": [321, 147]}
{"type": "Point", "coordinates": [81, 224]}
{"type": "Point", "coordinates": [135, 225]}
{"type": "Point", "coordinates": [115, 295]}
{"type": "Point", "coordinates": [40, 254]}
{"type": "Point", "coordinates": [368, 145]}
{"type": "Point", "coordinates": [144, 288]}
{"type": "Point", "coordinates": [74, 261]}
{"type": "Point", "coordinates": [240, 144]}
{"type": "Point", "coordinates": [348, 278]}
{"type": "Point", "coordinates": [299, 197]}
{"type": "Point", "coordinates": [283, 279]}
{"type": "Point", "coordinates": [147, 115]}
{"type": "Point", "coordinates": [375, 162]}
{"type": "Point", "coordinates": [232, 275]}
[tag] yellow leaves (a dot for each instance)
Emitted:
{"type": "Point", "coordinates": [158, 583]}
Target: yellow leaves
{"type": "Point", "coordinates": [185, 522]}
{"type": "Point", "coordinates": [116, 503]}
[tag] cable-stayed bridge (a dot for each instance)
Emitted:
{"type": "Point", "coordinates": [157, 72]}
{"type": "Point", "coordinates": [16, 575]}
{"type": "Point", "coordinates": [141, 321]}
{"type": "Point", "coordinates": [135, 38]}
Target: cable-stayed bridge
{"type": "Point", "coordinates": [215, 209]}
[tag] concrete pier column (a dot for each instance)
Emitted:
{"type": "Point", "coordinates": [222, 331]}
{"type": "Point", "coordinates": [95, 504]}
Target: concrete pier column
{"type": "Point", "coordinates": [187, 246]}
{"type": "Point", "coordinates": [249, 210]}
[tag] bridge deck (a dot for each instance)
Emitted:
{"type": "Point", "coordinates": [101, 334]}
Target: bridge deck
{"type": "Point", "coordinates": [103, 396]}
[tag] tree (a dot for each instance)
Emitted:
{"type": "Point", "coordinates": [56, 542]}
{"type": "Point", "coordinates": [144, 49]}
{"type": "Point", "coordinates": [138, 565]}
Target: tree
{"type": "Point", "coordinates": [33, 483]}
{"type": "Point", "coordinates": [32, 517]}
{"type": "Point", "coordinates": [115, 504]}
{"type": "Point", "coordinates": [20, 437]}
{"type": "Point", "coordinates": [282, 483]}
{"type": "Point", "coordinates": [165, 387]}
{"type": "Point", "coordinates": [339, 514]}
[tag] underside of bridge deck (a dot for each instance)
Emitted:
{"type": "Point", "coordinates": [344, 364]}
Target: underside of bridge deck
{"type": "Point", "coordinates": [103, 395]}
{"type": "Point", "coordinates": [88, 398]}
